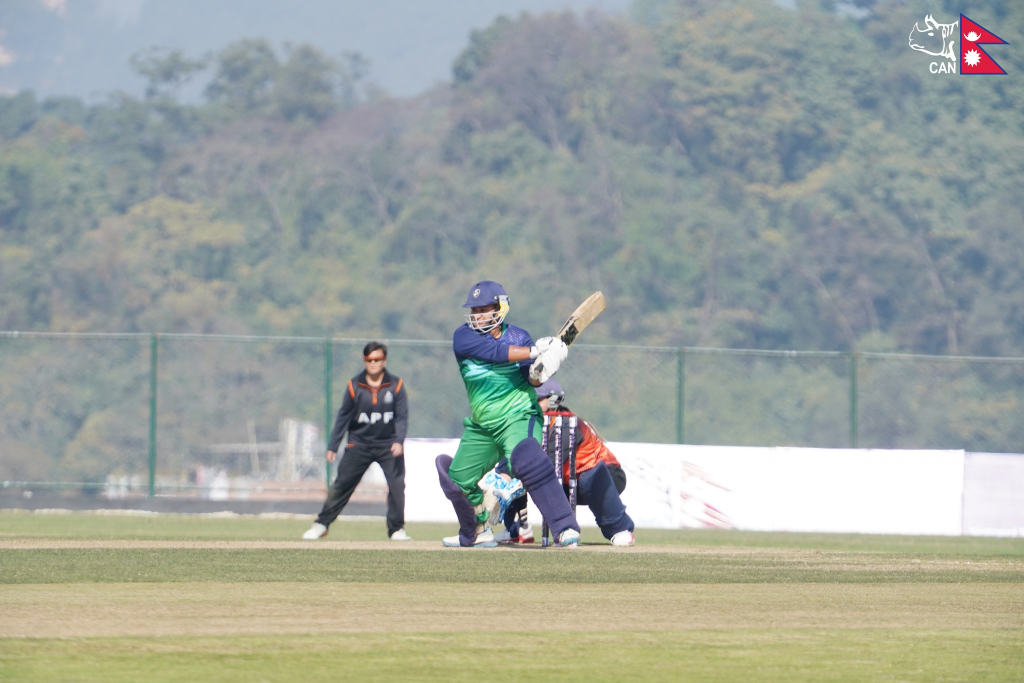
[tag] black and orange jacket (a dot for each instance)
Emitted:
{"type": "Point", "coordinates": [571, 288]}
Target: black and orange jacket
{"type": "Point", "coordinates": [373, 416]}
{"type": "Point", "coordinates": [590, 447]}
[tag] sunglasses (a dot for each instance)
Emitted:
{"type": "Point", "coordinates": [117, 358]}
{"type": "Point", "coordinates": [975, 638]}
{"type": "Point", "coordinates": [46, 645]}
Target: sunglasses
{"type": "Point", "coordinates": [367, 359]}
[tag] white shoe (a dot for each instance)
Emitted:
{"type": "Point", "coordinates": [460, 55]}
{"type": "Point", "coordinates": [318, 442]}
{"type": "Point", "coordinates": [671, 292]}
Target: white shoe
{"type": "Point", "coordinates": [314, 532]}
{"type": "Point", "coordinates": [484, 539]}
{"type": "Point", "coordinates": [570, 538]}
{"type": "Point", "coordinates": [400, 535]}
{"type": "Point", "coordinates": [525, 536]}
{"type": "Point", "coordinates": [623, 538]}
{"type": "Point", "coordinates": [504, 536]}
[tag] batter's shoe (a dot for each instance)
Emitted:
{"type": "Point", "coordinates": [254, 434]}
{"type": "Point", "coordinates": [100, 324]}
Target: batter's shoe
{"type": "Point", "coordinates": [570, 538]}
{"type": "Point", "coordinates": [314, 532]}
{"type": "Point", "coordinates": [525, 534]}
{"type": "Point", "coordinates": [623, 538]}
{"type": "Point", "coordinates": [400, 535]}
{"type": "Point", "coordinates": [484, 539]}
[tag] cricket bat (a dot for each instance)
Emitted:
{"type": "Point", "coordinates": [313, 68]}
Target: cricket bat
{"type": "Point", "coordinates": [581, 318]}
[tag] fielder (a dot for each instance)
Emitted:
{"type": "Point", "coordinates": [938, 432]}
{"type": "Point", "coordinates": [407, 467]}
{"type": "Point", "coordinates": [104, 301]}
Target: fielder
{"type": "Point", "coordinates": [375, 413]}
{"type": "Point", "coordinates": [500, 365]}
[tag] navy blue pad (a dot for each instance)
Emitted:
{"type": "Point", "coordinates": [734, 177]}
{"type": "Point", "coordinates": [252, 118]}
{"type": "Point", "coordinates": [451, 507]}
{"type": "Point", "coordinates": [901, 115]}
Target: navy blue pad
{"type": "Point", "coordinates": [463, 510]}
{"type": "Point", "coordinates": [530, 464]}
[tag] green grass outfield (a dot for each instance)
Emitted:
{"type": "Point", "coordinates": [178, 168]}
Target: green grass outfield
{"type": "Point", "coordinates": [86, 597]}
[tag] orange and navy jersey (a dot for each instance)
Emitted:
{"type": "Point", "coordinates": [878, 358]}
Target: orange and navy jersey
{"type": "Point", "coordinates": [372, 416]}
{"type": "Point", "coordinates": [590, 447]}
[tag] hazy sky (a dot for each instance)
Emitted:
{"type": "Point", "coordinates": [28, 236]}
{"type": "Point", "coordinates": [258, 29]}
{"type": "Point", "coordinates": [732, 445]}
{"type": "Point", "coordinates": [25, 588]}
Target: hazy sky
{"type": "Point", "coordinates": [81, 47]}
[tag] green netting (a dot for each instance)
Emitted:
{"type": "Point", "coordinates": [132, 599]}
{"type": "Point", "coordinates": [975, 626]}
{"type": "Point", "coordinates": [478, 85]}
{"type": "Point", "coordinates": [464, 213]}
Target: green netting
{"type": "Point", "coordinates": [76, 410]}
{"type": "Point", "coordinates": [922, 402]}
{"type": "Point", "coordinates": [73, 408]}
{"type": "Point", "coordinates": [749, 399]}
{"type": "Point", "coordinates": [241, 407]}
{"type": "Point", "coordinates": [627, 393]}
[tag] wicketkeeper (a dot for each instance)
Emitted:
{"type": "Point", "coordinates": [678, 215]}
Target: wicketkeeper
{"type": "Point", "coordinates": [500, 365]}
{"type": "Point", "coordinates": [600, 477]}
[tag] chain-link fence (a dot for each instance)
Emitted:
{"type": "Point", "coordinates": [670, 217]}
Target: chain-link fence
{"type": "Point", "coordinates": [765, 398]}
{"type": "Point", "coordinates": [189, 415]}
{"type": "Point", "coordinates": [907, 401]}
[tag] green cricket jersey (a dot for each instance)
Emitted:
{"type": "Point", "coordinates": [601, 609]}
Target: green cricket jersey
{"type": "Point", "coordinates": [497, 389]}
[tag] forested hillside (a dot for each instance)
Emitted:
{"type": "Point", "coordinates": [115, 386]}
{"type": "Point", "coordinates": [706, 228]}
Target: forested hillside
{"type": "Point", "coordinates": [728, 172]}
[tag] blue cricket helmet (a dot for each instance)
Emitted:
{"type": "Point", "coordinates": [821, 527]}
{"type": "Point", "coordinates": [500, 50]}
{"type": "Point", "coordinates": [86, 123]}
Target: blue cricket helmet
{"type": "Point", "coordinates": [485, 293]}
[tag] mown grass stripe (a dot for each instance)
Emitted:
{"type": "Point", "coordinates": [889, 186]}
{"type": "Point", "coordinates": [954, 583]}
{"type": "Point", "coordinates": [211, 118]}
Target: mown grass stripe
{"type": "Point", "coordinates": [74, 565]}
{"type": "Point", "coordinates": [915, 655]}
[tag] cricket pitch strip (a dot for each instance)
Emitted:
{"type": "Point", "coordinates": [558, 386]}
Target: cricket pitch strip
{"type": "Point", "coordinates": [179, 609]}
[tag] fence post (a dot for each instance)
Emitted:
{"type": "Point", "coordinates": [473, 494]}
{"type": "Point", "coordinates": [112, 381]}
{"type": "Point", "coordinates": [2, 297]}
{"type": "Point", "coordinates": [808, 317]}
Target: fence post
{"type": "Point", "coordinates": [152, 413]}
{"type": "Point", "coordinates": [681, 395]}
{"type": "Point", "coordinates": [853, 399]}
{"type": "Point", "coordinates": [328, 371]}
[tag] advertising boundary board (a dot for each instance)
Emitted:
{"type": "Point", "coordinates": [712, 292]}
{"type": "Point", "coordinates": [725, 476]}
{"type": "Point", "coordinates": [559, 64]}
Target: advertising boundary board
{"type": "Point", "coordinates": [757, 489]}
{"type": "Point", "coordinates": [994, 494]}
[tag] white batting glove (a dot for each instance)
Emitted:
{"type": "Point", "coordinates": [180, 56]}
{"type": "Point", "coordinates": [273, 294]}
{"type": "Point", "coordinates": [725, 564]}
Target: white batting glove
{"type": "Point", "coordinates": [554, 347]}
{"type": "Point", "coordinates": [539, 373]}
{"type": "Point", "coordinates": [544, 343]}
{"type": "Point", "coordinates": [547, 364]}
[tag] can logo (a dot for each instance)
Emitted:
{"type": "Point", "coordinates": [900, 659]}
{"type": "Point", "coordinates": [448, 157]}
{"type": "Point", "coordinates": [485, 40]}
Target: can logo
{"type": "Point", "coordinates": [942, 40]}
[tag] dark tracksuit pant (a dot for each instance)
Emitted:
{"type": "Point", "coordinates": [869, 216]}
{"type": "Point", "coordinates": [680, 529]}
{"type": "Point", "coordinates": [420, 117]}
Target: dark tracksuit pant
{"type": "Point", "coordinates": [354, 462]}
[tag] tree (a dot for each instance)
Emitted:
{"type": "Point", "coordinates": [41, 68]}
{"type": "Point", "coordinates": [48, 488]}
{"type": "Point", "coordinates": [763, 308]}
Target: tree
{"type": "Point", "coordinates": [17, 114]}
{"type": "Point", "coordinates": [245, 75]}
{"type": "Point", "coordinates": [305, 85]}
{"type": "Point", "coordinates": [166, 70]}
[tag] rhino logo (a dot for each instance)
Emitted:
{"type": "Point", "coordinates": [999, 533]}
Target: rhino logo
{"type": "Point", "coordinates": [935, 39]}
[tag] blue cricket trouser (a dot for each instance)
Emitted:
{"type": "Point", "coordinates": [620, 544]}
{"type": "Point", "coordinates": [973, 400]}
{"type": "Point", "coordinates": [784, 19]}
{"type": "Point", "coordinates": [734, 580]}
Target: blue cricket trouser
{"type": "Point", "coordinates": [596, 489]}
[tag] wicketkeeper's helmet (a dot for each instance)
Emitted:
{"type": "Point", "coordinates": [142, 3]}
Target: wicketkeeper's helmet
{"type": "Point", "coordinates": [552, 391]}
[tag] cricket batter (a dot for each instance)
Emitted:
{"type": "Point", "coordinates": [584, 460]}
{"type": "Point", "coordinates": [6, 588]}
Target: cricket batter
{"type": "Point", "coordinates": [500, 365]}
